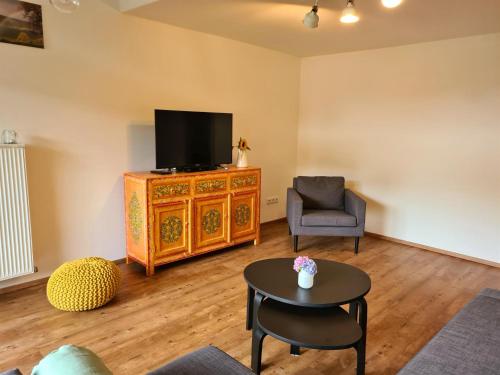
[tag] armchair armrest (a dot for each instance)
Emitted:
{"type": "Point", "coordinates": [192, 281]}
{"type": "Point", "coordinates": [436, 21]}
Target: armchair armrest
{"type": "Point", "coordinates": [355, 206]}
{"type": "Point", "coordinates": [294, 206]}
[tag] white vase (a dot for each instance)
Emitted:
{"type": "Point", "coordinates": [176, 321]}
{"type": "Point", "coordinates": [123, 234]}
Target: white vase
{"type": "Point", "coordinates": [306, 280]}
{"type": "Point", "coordinates": [242, 161]}
{"type": "Point", "coordinates": [9, 137]}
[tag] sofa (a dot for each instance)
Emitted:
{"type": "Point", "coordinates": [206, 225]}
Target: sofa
{"type": "Point", "coordinates": [468, 345]}
{"type": "Point", "coordinates": [206, 361]}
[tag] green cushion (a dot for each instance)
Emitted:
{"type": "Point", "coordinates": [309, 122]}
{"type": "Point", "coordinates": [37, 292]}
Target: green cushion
{"type": "Point", "coordinates": [70, 359]}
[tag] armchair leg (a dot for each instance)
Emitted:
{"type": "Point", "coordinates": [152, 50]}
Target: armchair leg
{"type": "Point", "coordinates": [356, 245]}
{"type": "Point", "coordinates": [289, 231]}
{"type": "Point", "coordinates": [295, 243]}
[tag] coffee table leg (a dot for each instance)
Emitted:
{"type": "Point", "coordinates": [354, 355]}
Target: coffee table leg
{"type": "Point", "coordinates": [257, 334]}
{"type": "Point", "coordinates": [294, 350]}
{"type": "Point", "coordinates": [361, 346]}
{"type": "Point", "coordinates": [257, 339]}
{"type": "Point", "coordinates": [257, 300]}
{"type": "Point", "coordinates": [251, 296]}
{"type": "Point", "coordinates": [353, 310]}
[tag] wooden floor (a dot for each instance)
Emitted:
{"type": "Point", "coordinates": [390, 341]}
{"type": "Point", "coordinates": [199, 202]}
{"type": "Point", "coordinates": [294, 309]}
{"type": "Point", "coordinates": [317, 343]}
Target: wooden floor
{"type": "Point", "coordinates": [202, 301]}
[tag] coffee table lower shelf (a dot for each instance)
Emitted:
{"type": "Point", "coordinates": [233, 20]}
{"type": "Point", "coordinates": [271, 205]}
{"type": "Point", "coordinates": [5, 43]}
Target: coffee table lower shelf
{"type": "Point", "coordinates": [316, 328]}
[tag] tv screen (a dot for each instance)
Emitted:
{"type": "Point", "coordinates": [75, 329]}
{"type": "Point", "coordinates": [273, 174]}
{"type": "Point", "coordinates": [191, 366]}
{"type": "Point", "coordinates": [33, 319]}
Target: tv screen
{"type": "Point", "coordinates": [187, 139]}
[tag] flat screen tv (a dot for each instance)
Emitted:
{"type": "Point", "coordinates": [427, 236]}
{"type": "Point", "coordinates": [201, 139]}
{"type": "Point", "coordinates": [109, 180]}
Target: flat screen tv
{"type": "Point", "coordinates": [193, 140]}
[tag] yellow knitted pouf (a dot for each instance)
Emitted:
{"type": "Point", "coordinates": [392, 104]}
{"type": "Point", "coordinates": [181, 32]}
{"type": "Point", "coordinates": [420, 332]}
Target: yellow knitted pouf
{"type": "Point", "coordinates": [83, 284]}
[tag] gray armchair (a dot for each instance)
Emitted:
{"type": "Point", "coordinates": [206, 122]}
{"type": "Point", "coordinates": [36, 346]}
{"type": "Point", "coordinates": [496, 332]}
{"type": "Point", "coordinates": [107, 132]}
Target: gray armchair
{"type": "Point", "coordinates": [321, 206]}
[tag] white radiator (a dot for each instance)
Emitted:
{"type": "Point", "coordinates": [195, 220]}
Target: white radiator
{"type": "Point", "coordinates": [16, 250]}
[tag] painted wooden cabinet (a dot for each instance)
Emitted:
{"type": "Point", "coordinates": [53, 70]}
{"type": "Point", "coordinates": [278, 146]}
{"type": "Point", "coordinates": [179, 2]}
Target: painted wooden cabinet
{"type": "Point", "coordinates": [177, 216]}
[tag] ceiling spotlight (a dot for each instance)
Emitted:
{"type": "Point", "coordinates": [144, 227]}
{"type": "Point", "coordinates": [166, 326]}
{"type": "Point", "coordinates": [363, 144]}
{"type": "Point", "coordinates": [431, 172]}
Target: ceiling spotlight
{"type": "Point", "coordinates": [391, 3]}
{"type": "Point", "coordinates": [65, 6]}
{"type": "Point", "coordinates": [349, 14]}
{"type": "Point", "coordinates": [311, 19]}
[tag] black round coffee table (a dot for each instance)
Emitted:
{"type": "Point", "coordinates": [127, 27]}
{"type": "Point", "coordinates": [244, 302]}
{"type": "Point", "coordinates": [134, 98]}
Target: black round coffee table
{"type": "Point", "coordinates": [310, 318]}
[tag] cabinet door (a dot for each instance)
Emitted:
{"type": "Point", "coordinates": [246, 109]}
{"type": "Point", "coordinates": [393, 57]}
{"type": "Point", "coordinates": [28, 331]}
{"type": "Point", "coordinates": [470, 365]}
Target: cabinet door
{"type": "Point", "coordinates": [211, 222]}
{"type": "Point", "coordinates": [171, 229]}
{"type": "Point", "coordinates": [243, 211]}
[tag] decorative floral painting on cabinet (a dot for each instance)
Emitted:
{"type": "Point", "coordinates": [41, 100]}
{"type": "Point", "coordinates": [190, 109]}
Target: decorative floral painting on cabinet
{"type": "Point", "coordinates": [21, 23]}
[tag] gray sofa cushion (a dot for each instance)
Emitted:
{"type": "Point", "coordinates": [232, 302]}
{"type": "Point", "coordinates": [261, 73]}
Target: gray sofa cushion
{"type": "Point", "coordinates": [325, 193]}
{"type": "Point", "coordinates": [468, 345]}
{"type": "Point", "coordinates": [493, 293]}
{"type": "Point", "coordinates": [11, 372]}
{"type": "Point", "coordinates": [327, 218]}
{"type": "Point", "coordinates": [206, 361]}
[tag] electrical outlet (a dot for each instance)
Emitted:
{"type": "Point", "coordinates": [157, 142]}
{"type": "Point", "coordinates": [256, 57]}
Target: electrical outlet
{"type": "Point", "coordinates": [272, 200]}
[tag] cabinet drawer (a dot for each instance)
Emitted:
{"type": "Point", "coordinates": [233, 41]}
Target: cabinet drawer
{"type": "Point", "coordinates": [170, 189]}
{"type": "Point", "coordinates": [247, 180]}
{"type": "Point", "coordinates": [211, 185]}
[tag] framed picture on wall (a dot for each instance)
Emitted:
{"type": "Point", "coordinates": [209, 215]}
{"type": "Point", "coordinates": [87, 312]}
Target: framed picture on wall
{"type": "Point", "coordinates": [21, 23]}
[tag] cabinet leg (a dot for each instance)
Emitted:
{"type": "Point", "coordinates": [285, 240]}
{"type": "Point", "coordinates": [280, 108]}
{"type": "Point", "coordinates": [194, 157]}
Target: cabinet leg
{"type": "Point", "coordinates": [257, 339]}
{"type": "Point", "coordinates": [257, 239]}
{"type": "Point", "coordinates": [150, 270]}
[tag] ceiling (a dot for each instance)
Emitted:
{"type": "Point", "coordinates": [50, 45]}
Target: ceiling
{"type": "Point", "coordinates": [277, 24]}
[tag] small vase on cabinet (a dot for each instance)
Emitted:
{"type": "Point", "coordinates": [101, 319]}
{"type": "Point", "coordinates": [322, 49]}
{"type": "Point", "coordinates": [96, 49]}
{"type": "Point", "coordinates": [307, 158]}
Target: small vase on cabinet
{"type": "Point", "coordinates": [242, 161]}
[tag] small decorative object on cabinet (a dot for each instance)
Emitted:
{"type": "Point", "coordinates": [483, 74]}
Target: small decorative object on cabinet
{"type": "Point", "coordinates": [242, 147]}
{"type": "Point", "coordinates": [181, 215]}
{"type": "Point", "coordinates": [306, 268]}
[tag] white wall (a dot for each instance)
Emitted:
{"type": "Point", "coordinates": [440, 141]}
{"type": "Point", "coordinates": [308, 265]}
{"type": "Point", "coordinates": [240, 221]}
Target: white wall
{"type": "Point", "coordinates": [84, 106]}
{"type": "Point", "coordinates": [416, 129]}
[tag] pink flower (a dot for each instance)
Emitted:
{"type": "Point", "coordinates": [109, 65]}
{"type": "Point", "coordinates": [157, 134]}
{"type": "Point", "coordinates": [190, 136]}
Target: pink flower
{"type": "Point", "coordinates": [306, 264]}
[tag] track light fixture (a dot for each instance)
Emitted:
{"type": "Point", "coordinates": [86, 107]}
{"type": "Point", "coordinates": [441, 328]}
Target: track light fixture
{"type": "Point", "coordinates": [311, 19]}
{"type": "Point", "coordinates": [349, 14]}
{"type": "Point", "coordinates": [391, 3]}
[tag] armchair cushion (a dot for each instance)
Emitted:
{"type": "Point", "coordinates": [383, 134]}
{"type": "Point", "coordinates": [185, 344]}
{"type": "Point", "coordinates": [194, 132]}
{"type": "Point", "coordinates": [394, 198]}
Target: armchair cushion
{"type": "Point", "coordinates": [327, 218]}
{"type": "Point", "coordinates": [326, 193]}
